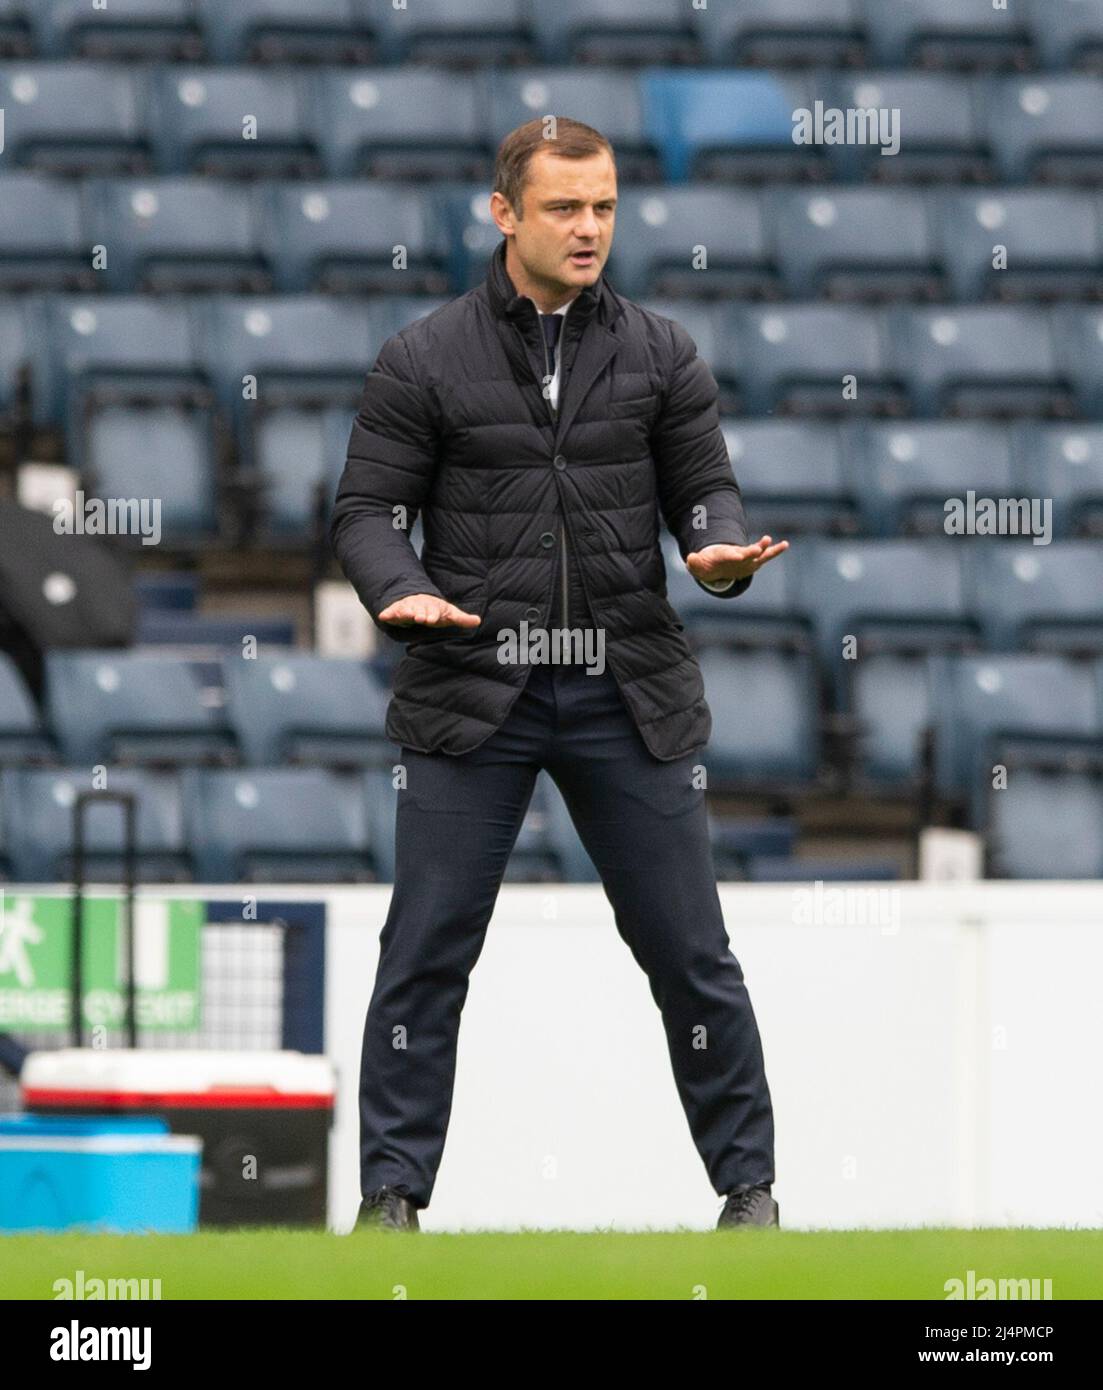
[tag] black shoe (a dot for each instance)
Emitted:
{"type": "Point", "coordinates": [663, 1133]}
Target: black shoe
{"type": "Point", "coordinates": [749, 1206]}
{"type": "Point", "coordinates": [387, 1210]}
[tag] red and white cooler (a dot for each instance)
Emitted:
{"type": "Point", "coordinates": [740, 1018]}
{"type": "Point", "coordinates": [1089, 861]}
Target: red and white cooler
{"type": "Point", "coordinates": [264, 1119]}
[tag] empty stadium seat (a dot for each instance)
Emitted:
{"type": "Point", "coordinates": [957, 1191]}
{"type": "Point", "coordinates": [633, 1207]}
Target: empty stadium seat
{"type": "Point", "coordinates": [1047, 826]}
{"type": "Point", "coordinates": [16, 40]}
{"type": "Point", "coordinates": [854, 244]}
{"type": "Point", "coordinates": [300, 348]}
{"type": "Point", "coordinates": [131, 707]}
{"type": "Point", "coordinates": [765, 720]}
{"type": "Point", "coordinates": [607, 31]}
{"type": "Point", "coordinates": [279, 825]}
{"type": "Point", "coordinates": [891, 704]}
{"type": "Point", "coordinates": [1047, 128]}
{"type": "Point", "coordinates": [88, 348]}
{"type": "Point", "coordinates": [904, 473]}
{"type": "Point", "coordinates": [797, 359]}
{"type": "Point", "coordinates": [941, 135]}
{"type": "Point", "coordinates": [1078, 333]}
{"type": "Point", "coordinates": [277, 31]}
{"type": "Point", "coordinates": [792, 477]}
{"type": "Point", "coordinates": [696, 241]}
{"type": "Point", "coordinates": [295, 453]}
{"type": "Point", "coordinates": [233, 121]}
{"type": "Point", "coordinates": [729, 125]}
{"type": "Point", "coordinates": [142, 29]}
{"type": "Point", "coordinates": [40, 805]}
{"type": "Point", "coordinates": [1065, 463]}
{"type": "Point", "coordinates": [478, 31]}
{"type": "Point", "coordinates": [171, 234]}
{"type": "Point", "coordinates": [22, 738]}
{"type": "Point", "coordinates": [73, 118]}
{"type": "Point", "coordinates": [1052, 246]}
{"type": "Point", "coordinates": [781, 33]}
{"type": "Point", "coordinates": [608, 99]}
{"type": "Point", "coordinates": [306, 709]}
{"type": "Point", "coordinates": [972, 361]}
{"type": "Point", "coordinates": [947, 33]}
{"type": "Point", "coordinates": [982, 701]}
{"type": "Point", "coordinates": [1067, 33]}
{"type": "Point", "coordinates": [1045, 597]}
{"type": "Point", "coordinates": [162, 453]}
{"type": "Point", "coordinates": [400, 123]}
{"type": "Point", "coordinates": [890, 595]}
{"type": "Point", "coordinates": [42, 246]}
{"type": "Point", "coordinates": [342, 238]}
{"type": "Point", "coordinates": [736, 842]}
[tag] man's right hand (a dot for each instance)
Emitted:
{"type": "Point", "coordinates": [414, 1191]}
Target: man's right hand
{"type": "Point", "coordinates": [429, 611]}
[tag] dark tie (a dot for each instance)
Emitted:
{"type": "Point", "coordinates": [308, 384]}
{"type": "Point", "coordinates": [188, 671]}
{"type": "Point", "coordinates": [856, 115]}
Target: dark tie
{"type": "Point", "coordinates": [551, 324]}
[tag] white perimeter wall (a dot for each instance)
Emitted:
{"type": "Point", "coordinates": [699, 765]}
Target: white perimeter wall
{"type": "Point", "coordinates": [941, 1067]}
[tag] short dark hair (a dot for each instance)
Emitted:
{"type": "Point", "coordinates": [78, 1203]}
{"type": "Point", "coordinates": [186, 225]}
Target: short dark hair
{"type": "Point", "coordinates": [566, 138]}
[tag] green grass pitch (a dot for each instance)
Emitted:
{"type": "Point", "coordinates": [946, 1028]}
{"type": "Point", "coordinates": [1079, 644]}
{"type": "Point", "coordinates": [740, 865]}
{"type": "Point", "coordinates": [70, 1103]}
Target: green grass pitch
{"type": "Point", "coordinates": [259, 1264]}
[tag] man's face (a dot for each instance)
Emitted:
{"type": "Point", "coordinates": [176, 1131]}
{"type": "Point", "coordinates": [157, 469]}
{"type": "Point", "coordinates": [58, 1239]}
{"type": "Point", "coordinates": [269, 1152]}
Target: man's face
{"type": "Point", "coordinates": [563, 241]}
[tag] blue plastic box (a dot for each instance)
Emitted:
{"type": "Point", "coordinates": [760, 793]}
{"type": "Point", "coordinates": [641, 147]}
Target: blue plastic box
{"type": "Point", "coordinates": [97, 1173]}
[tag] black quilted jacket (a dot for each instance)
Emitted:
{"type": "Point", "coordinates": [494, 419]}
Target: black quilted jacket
{"type": "Point", "coordinates": [453, 423]}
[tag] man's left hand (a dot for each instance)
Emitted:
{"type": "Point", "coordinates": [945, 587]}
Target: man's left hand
{"type": "Point", "coordinates": [733, 561]}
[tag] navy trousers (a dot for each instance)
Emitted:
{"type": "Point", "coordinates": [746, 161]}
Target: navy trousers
{"type": "Point", "coordinates": [645, 826]}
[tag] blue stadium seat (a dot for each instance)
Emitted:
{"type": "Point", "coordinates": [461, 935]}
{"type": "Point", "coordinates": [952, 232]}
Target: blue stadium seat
{"type": "Point", "coordinates": [794, 358]}
{"type": "Point", "coordinates": [695, 241]}
{"type": "Point", "coordinates": [946, 33]}
{"type": "Point", "coordinates": [1065, 463]}
{"type": "Point", "coordinates": [1053, 248]}
{"type": "Point", "coordinates": [87, 348]}
{"type": "Point", "coordinates": [1043, 597]}
{"type": "Point", "coordinates": [42, 245]}
{"type": "Point", "coordinates": [341, 237]}
{"type": "Point", "coordinates": [40, 812]}
{"type": "Point", "coordinates": [133, 707]}
{"type": "Point", "coordinates": [904, 473]}
{"type": "Point", "coordinates": [400, 123]}
{"type": "Point", "coordinates": [73, 118]}
{"type": "Point", "coordinates": [300, 348]}
{"type": "Point", "coordinates": [1078, 333]}
{"type": "Point", "coordinates": [281, 825]}
{"type": "Point", "coordinates": [891, 703]}
{"type": "Point", "coordinates": [729, 126]}
{"type": "Point", "coordinates": [782, 33]}
{"type": "Point", "coordinates": [442, 32]}
{"type": "Point", "coordinates": [941, 135]}
{"type": "Point", "coordinates": [974, 361]}
{"type": "Point", "coordinates": [280, 31]}
{"type": "Point", "coordinates": [736, 842]}
{"type": "Point", "coordinates": [295, 452]}
{"type": "Point", "coordinates": [161, 453]}
{"type": "Point", "coordinates": [22, 738]}
{"type": "Point", "coordinates": [607, 31]}
{"type": "Point", "coordinates": [1047, 826]}
{"type": "Point", "coordinates": [792, 477]}
{"type": "Point", "coordinates": [233, 122]}
{"type": "Point", "coordinates": [606, 98]}
{"type": "Point", "coordinates": [891, 595]}
{"type": "Point", "coordinates": [983, 702]}
{"type": "Point", "coordinates": [1068, 33]}
{"type": "Point", "coordinates": [765, 720]}
{"type": "Point", "coordinates": [176, 234]}
{"type": "Point", "coordinates": [1047, 128]}
{"type": "Point", "coordinates": [304, 708]}
{"type": "Point", "coordinates": [134, 29]}
{"type": "Point", "coordinates": [762, 616]}
{"type": "Point", "coordinates": [854, 244]}
{"type": "Point", "coordinates": [208, 637]}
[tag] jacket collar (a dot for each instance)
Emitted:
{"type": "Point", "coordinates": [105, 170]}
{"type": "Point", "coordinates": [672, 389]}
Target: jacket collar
{"type": "Point", "coordinates": [507, 303]}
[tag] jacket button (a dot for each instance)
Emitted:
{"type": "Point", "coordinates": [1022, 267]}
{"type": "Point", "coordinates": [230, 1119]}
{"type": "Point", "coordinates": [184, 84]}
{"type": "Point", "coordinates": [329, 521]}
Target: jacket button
{"type": "Point", "coordinates": [560, 462]}
{"type": "Point", "coordinates": [547, 539]}
{"type": "Point", "coordinates": [532, 614]}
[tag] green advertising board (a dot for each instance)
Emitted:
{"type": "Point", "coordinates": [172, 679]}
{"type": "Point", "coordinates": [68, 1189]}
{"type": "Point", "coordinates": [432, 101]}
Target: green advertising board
{"type": "Point", "coordinates": [36, 953]}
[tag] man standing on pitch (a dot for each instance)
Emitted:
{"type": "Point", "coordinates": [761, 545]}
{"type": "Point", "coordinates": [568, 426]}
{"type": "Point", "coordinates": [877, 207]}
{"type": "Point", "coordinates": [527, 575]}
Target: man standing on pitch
{"type": "Point", "coordinates": [539, 424]}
